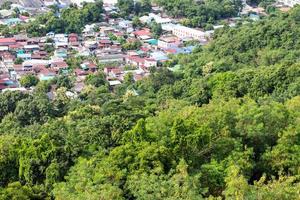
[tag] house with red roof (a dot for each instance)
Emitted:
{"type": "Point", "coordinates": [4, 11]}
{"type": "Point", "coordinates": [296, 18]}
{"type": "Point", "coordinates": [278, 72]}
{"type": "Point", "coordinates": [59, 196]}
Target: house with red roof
{"type": "Point", "coordinates": [104, 43]}
{"type": "Point", "coordinates": [16, 47]}
{"type": "Point", "coordinates": [118, 34]}
{"type": "Point", "coordinates": [135, 61]}
{"type": "Point", "coordinates": [7, 41]}
{"type": "Point", "coordinates": [89, 66]}
{"type": "Point", "coordinates": [8, 58]}
{"type": "Point", "coordinates": [46, 74]}
{"type": "Point", "coordinates": [24, 18]}
{"type": "Point", "coordinates": [59, 65]}
{"type": "Point", "coordinates": [142, 34]}
{"type": "Point", "coordinates": [81, 72]}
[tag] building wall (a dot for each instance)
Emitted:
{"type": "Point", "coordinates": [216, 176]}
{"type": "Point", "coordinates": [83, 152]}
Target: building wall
{"type": "Point", "coordinates": [185, 32]}
{"type": "Point", "coordinates": [165, 45]}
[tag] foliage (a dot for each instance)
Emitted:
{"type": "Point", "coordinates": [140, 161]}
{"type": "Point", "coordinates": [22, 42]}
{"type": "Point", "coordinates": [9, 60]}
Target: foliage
{"type": "Point", "coordinates": [29, 81]}
{"type": "Point", "coordinates": [128, 7]}
{"type": "Point", "coordinates": [18, 61]}
{"type": "Point", "coordinates": [226, 125]}
{"type": "Point", "coordinates": [131, 45]}
{"type": "Point", "coordinates": [197, 14]}
{"type": "Point", "coordinates": [156, 29]}
{"type": "Point", "coordinates": [71, 20]}
{"type": "Point", "coordinates": [96, 80]}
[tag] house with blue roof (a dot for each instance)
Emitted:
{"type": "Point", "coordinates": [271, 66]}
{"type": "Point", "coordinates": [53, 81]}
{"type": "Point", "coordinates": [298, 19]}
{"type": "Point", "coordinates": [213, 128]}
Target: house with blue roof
{"type": "Point", "coordinates": [159, 56]}
{"type": "Point", "coordinates": [61, 53]}
{"type": "Point", "coordinates": [24, 56]}
{"type": "Point", "coordinates": [12, 21]}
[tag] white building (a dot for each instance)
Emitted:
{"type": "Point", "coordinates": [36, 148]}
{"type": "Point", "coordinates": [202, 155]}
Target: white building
{"type": "Point", "coordinates": [125, 24]}
{"type": "Point", "coordinates": [167, 42]}
{"type": "Point", "coordinates": [153, 17]}
{"type": "Point", "coordinates": [183, 32]}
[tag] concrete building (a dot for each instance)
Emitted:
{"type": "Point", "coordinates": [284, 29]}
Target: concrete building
{"type": "Point", "coordinates": [167, 42]}
{"type": "Point", "coordinates": [153, 17]}
{"type": "Point", "coordinates": [186, 32]}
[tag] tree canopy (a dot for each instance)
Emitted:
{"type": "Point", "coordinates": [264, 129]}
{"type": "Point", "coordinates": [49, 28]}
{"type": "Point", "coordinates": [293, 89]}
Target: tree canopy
{"type": "Point", "coordinates": [224, 126]}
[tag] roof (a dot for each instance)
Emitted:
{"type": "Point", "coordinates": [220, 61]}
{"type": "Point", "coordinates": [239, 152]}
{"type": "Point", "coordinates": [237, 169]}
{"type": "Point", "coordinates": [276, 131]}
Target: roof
{"type": "Point", "coordinates": [105, 41]}
{"type": "Point", "coordinates": [35, 62]}
{"type": "Point", "coordinates": [47, 72]}
{"type": "Point", "coordinates": [3, 48]}
{"type": "Point", "coordinates": [152, 41]}
{"type": "Point", "coordinates": [136, 59]}
{"type": "Point", "coordinates": [16, 46]}
{"type": "Point", "coordinates": [7, 56]}
{"type": "Point", "coordinates": [24, 55]}
{"type": "Point", "coordinates": [12, 20]}
{"type": "Point", "coordinates": [36, 56]}
{"type": "Point", "coordinates": [145, 37]}
{"type": "Point", "coordinates": [116, 70]}
{"type": "Point", "coordinates": [143, 32]}
{"type": "Point", "coordinates": [22, 17]}
{"type": "Point", "coordinates": [145, 49]}
{"type": "Point", "coordinates": [113, 83]}
{"type": "Point", "coordinates": [168, 39]}
{"type": "Point", "coordinates": [172, 51]}
{"type": "Point", "coordinates": [118, 33]}
{"type": "Point", "coordinates": [60, 64]}
{"type": "Point", "coordinates": [159, 56]}
{"type": "Point", "coordinates": [7, 40]}
{"type": "Point", "coordinates": [80, 72]}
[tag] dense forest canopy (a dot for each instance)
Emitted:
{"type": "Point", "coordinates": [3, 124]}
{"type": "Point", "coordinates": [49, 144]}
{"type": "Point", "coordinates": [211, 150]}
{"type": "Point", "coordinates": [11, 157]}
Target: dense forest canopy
{"type": "Point", "coordinates": [226, 125]}
{"type": "Point", "coordinates": [199, 13]}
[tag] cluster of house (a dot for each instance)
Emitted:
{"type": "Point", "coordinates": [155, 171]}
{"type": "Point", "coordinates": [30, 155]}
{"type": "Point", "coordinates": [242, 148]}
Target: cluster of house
{"type": "Point", "coordinates": [104, 42]}
{"type": "Point", "coordinates": [9, 17]}
{"type": "Point", "coordinates": [21, 55]}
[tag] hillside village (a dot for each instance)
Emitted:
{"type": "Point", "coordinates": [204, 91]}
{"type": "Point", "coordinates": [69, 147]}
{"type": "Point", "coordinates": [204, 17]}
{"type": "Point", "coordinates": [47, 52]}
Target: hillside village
{"type": "Point", "coordinates": [115, 46]}
{"type": "Point", "coordinates": [149, 100]}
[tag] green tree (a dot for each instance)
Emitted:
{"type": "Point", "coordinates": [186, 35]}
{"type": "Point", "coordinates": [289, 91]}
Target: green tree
{"type": "Point", "coordinates": [29, 81]}
{"type": "Point", "coordinates": [96, 80]}
{"type": "Point", "coordinates": [9, 146]}
{"type": "Point", "coordinates": [156, 29]}
{"type": "Point", "coordinates": [18, 61]}
{"type": "Point", "coordinates": [9, 101]}
{"type": "Point", "coordinates": [126, 7]}
{"type": "Point", "coordinates": [64, 81]}
{"type": "Point", "coordinates": [34, 110]}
